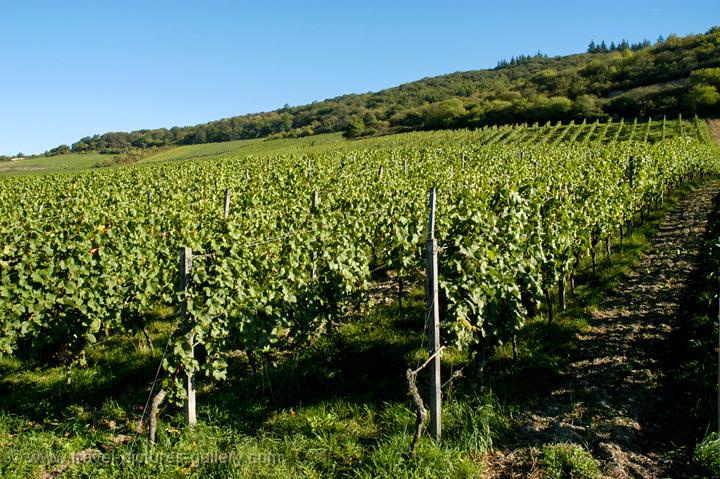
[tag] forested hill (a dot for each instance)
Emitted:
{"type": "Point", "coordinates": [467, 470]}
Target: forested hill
{"type": "Point", "coordinates": [675, 75]}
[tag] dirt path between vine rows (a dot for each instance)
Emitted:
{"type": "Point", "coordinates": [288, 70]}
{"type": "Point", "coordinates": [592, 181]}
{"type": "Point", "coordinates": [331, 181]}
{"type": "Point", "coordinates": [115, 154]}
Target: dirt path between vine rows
{"type": "Point", "coordinates": [615, 396]}
{"type": "Point", "coordinates": [714, 129]}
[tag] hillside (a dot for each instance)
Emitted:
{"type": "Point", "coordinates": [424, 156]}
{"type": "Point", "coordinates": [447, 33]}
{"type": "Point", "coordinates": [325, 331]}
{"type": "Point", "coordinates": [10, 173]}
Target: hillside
{"type": "Point", "coordinates": [677, 75]}
{"type": "Point", "coordinates": [596, 132]}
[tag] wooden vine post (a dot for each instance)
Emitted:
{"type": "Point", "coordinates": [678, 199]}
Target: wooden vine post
{"type": "Point", "coordinates": [186, 258]}
{"type": "Point", "coordinates": [631, 181]}
{"type": "Point", "coordinates": [433, 308]}
{"type": "Point", "coordinates": [314, 209]}
{"type": "Point", "coordinates": [226, 208]}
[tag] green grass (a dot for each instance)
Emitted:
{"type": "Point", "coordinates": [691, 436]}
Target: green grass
{"type": "Point", "coordinates": [338, 408]}
{"type": "Point", "coordinates": [208, 151]}
{"type": "Point", "coordinates": [568, 461]}
{"type": "Point", "coordinates": [54, 164]}
{"type": "Point", "coordinates": [259, 147]}
{"type": "Point", "coordinates": [707, 455]}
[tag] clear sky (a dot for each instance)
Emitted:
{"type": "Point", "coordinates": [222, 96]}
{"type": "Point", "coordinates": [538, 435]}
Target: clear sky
{"type": "Point", "coordinates": [71, 68]}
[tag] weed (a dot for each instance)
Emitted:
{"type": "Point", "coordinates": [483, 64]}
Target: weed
{"type": "Point", "coordinates": [707, 455]}
{"type": "Point", "coordinates": [568, 461]}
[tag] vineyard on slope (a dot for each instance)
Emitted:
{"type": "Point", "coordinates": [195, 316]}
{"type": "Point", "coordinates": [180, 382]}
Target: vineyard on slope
{"type": "Point", "coordinates": [89, 255]}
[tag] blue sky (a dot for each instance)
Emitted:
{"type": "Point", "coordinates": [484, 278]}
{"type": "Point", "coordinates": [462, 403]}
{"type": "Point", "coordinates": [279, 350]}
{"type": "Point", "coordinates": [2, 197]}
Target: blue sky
{"type": "Point", "coordinates": [70, 68]}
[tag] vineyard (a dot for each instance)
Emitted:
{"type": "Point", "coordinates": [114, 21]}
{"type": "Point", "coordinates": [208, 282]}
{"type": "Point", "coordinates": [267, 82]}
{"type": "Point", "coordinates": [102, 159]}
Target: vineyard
{"type": "Point", "coordinates": [282, 250]}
